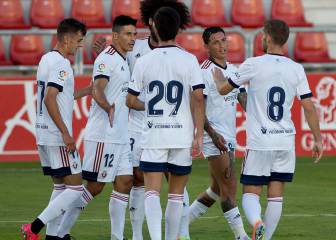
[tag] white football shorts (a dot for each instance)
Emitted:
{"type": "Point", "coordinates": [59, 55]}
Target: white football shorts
{"type": "Point", "coordinates": [56, 161]}
{"type": "Point", "coordinates": [104, 161]}
{"type": "Point", "coordinates": [262, 167]}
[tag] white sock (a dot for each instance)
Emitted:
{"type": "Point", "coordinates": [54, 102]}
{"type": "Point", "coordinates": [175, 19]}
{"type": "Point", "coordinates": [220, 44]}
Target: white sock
{"type": "Point", "coordinates": [153, 213]}
{"type": "Point", "coordinates": [272, 215]}
{"type": "Point", "coordinates": [117, 209]}
{"type": "Point", "coordinates": [72, 214]}
{"type": "Point", "coordinates": [197, 209]}
{"type": "Point", "coordinates": [61, 203]}
{"type": "Point", "coordinates": [173, 216]}
{"type": "Point", "coordinates": [52, 226]}
{"type": "Point", "coordinates": [235, 222]}
{"type": "Point", "coordinates": [252, 208]}
{"type": "Point", "coordinates": [137, 211]}
{"type": "Point", "coordinates": [184, 225]}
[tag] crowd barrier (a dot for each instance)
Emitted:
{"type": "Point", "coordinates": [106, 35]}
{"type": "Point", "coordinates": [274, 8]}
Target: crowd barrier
{"type": "Point", "coordinates": [18, 104]}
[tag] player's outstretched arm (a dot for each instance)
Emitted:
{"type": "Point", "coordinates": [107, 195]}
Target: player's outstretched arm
{"type": "Point", "coordinates": [133, 102]}
{"type": "Point", "coordinates": [99, 96]}
{"type": "Point", "coordinates": [313, 123]}
{"type": "Point", "coordinates": [222, 83]}
{"type": "Point", "coordinates": [83, 92]}
{"type": "Point", "coordinates": [199, 116]}
{"type": "Point", "coordinates": [53, 110]}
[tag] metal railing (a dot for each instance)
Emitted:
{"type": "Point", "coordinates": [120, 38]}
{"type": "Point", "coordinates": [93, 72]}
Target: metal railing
{"type": "Point", "coordinates": [80, 67]}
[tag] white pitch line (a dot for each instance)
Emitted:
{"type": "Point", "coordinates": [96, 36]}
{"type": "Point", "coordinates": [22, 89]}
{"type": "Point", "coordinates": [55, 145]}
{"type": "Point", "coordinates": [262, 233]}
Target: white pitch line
{"type": "Point", "coordinates": [212, 217]}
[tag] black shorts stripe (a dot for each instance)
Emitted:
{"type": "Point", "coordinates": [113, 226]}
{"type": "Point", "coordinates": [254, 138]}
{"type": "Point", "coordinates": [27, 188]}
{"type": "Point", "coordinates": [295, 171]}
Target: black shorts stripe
{"type": "Point", "coordinates": [90, 176]}
{"type": "Point", "coordinates": [153, 167]}
{"type": "Point", "coordinates": [55, 85]}
{"type": "Point", "coordinates": [179, 170]}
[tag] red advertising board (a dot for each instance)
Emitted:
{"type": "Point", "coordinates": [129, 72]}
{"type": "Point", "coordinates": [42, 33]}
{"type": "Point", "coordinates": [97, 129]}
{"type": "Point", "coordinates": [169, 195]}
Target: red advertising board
{"type": "Point", "coordinates": [18, 108]}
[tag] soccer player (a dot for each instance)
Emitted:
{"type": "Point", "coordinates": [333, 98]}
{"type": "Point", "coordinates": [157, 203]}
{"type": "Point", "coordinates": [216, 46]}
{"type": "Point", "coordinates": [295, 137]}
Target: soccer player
{"type": "Point", "coordinates": [106, 140]}
{"type": "Point", "coordinates": [168, 133]}
{"type": "Point", "coordinates": [141, 48]}
{"type": "Point", "coordinates": [56, 145]}
{"type": "Point", "coordinates": [220, 137]}
{"type": "Point", "coordinates": [274, 80]}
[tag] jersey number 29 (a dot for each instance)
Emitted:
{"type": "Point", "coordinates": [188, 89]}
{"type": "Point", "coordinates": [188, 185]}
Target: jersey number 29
{"type": "Point", "coordinates": [172, 97]}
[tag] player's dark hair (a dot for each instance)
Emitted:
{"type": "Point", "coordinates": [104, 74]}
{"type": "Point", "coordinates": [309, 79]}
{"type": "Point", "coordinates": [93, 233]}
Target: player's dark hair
{"type": "Point", "coordinates": [209, 31]}
{"type": "Point", "coordinates": [167, 22]}
{"type": "Point", "coordinates": [148, 9]}
{"type": "Point", "coordinates": [278, 30]}
{"type": "Point", "coordinates": [70, 25]}
{"type": "Point", "coordinates": [121, 21]}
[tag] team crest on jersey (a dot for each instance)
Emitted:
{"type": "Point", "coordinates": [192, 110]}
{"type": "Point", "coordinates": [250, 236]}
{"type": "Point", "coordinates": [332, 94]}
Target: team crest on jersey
{"type": "Point", "coordinates": [101, 67]}
{"type": "Point", "coordinates": [104, 174]}
{"type": "Point", "coordinates": [62, 75]}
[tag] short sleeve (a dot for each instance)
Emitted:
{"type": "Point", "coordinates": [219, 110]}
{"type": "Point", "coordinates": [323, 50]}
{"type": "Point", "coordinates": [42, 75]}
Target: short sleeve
{"type": "Point", "coordinates": [196, 76]}
{"type": "Point", "coordinates": [245, 73]}
{"type": "Point", "coordinates": [206, 77]}
{"type": "Point", "coordinates": [58, 75]}
{"type": "Point", "coordinates": [303, 91]}
{"type": "Point", "coordinates": [136, 83]}
{"type": "Point", "coordinates": [102, 68]}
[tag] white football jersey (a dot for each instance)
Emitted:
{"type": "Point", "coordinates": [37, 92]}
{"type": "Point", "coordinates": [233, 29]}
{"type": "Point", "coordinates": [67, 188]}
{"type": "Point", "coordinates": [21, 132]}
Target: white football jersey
{"type": "Point", "coordinates": [167, 75]}
{"type": "Point", "coordinates": [110, 64]}
{"type": "Point", "coordinates": [141, 47]}
{"type": "Point", "coordinates": [274, 81]}
{"type": "Point", "coordinates": [220, 110]}
{"type": "Point", "coordinates": [54, 71]}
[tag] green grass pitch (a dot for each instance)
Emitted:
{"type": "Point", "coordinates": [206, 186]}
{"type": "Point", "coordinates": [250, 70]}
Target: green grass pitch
{"type": "Point", "coordinates": [309, 205]}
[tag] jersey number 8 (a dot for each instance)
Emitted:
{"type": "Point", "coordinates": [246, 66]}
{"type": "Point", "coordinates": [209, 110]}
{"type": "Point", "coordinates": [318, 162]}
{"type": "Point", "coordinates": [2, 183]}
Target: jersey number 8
{"type": "Point", "coordinates": [276, 99]}
{"type": "Point", "coordinates": [172, 97]}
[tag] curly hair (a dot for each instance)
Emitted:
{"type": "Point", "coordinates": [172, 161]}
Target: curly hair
{"type": "Point", "coordinates": [149, 7]}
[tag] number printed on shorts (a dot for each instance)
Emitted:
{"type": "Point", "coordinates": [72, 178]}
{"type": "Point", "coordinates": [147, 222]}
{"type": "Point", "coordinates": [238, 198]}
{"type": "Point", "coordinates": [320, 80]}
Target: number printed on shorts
{"type": "Point", "coordinates": [173, 93]}
{"type": "Point", "coordinates": [109, 160]}
{"type": "Point", "coordinates": [276, 98]}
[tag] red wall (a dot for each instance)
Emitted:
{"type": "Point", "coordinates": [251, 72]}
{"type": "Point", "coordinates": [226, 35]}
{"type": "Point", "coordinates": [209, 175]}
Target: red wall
{"type": "Point", "coordinates": [17, 141]}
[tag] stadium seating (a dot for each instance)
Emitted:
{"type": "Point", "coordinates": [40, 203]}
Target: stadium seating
{"type": "Point", "coordinates": [311, 47]}
{"type": "Point", "coordinates": [290, 11]}
{"type": "Point", "coordinates": [248, 13]}
{"type": "Point", "coordinates": [127, 7]}
{"type": "Point", "coordinates": [91, 12]}
{"type": "Point", "coordinates": [236, 48]}
{"type": "Point", "coordinates": [26, 49]}
{"type": "Point", "coordinates": [46, 13]}
{"type": "Point", "coordinates": [208, 13]}
{"type": "Point", "coordinates": [193, 43]}
{"type": "Point", "coordinates": [258, 49]}
{"type": "Point", "coordinates": [11, 15]}
{"type": "Point", "coordinates": [3, 59]}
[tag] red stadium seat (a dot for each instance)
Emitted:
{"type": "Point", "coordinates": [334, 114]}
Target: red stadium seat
{"type": "Point", "coordinates": [3, 59]}
{"type": "Point", "coordinates": [11, 14]}
{"type": "Point", "coordinates": [236, 48]}
{"type": "Point", "coordinates": [208, 13]}
{"type": "Point", "coordinates": [290, 11]}
{"type": "Point", "coordinates": [258, 48]}
{"type": "Point", "coordinates": [26, 49]}
{"type": "Point", "coordinates": [248, 13]}
{"type": "Point", "coordinates": [311, 47]}
{"type": "Point", "coordinates": [193, 43]}
{"type": "Point", "coordinates": [127, 7]}
{"type": "Point", "coordinates": [46, 13]}
{"type": "Point", "coordinates": [91, 12]}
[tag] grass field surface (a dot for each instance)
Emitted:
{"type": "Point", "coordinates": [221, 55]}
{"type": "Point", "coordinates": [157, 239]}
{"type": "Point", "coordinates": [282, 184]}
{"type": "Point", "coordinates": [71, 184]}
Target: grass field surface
{"type": "Point", "coordinates": [309, 205]}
